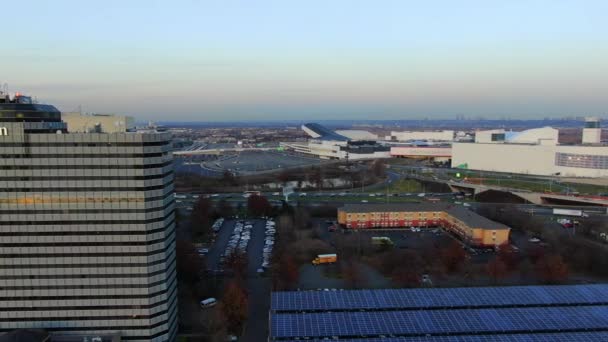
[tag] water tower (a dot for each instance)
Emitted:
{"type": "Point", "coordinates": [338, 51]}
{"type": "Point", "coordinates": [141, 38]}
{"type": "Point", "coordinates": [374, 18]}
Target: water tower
{"type": "Point", "coordinates": [592, 133]}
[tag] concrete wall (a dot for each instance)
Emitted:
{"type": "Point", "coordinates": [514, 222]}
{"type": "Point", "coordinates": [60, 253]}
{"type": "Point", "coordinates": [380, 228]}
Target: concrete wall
{"type": "Point", "coordinates": [526, 159]}
{"type": "Point", "coordinates": [87, 123]}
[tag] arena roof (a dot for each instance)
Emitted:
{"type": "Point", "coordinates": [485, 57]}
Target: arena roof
{"type": "Point", "coordinates": [323, 133]}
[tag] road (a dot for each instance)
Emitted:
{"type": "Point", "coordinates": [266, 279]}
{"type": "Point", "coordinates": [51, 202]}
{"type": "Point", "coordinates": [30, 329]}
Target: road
{"type": "Point", "coordinates": [258, 287]}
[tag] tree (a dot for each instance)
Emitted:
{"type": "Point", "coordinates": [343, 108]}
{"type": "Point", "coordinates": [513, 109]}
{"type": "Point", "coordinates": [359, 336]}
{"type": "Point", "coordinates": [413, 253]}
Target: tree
{"type": "Point", "coordinates": [552, 269]}
{"type": "Point", "coordinates": [508, 256]}
{"type": "Point", "coordinates": [237, 262]}
{"type": "Point", "coordinates": [288, 271]}
{"type": "Point", "coordinates": [378, 168]}
{"type": "Point", "coordinates": [284, 176]}
{"type": "Point", "coordinates": [352, 275]}
{"type": "Point", "coordinates": [496, 269]}
{"type": "Point", "coordinates": [189, 263]}
{"type": "Point", "coordinates": [453, 257]}
{"type": "Point", "coordinates": [234, 306]}
{"type": "Point", "coordinates": [317, 177]}
{"type": "Point", "coordinates": [224, 209]}
{"type": "Point", "coordinates": [200, 219]}
{"type": "Point", "coordinates": [258, 206]}
{"type": "Point", "coordinates": [229, 178]}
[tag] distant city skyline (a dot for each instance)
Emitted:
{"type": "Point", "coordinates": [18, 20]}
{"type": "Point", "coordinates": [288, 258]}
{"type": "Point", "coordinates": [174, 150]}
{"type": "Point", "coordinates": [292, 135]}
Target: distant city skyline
{"type": "Point", "coordinates": [310, 60]}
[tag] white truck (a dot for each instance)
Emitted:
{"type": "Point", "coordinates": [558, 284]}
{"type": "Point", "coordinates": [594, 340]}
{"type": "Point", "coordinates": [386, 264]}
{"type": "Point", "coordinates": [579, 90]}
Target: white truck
{"type": "Point", "coordinates": [569, 212]}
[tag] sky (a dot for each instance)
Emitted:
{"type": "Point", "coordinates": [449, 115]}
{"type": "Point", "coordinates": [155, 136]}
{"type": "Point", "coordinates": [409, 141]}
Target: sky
{"type": "Point", "coordinates": [231, 60]}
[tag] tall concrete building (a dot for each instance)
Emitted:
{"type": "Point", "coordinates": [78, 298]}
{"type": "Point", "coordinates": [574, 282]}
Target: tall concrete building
{"type": "Point", "coordinates": [87, 233]}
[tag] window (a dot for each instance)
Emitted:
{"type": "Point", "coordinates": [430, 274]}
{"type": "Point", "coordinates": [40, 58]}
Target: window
{"type": "Point", "coordinates": [498, 137]}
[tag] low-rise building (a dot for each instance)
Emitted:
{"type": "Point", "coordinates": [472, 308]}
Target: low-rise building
{"type": "Point", "coordinates": [472, 228]}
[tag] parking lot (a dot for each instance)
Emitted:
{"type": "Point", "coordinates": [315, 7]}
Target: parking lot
{"type": "Point", "coordinates": [253, 237]}
{"type": "Point", "coordinates": [248, 162]}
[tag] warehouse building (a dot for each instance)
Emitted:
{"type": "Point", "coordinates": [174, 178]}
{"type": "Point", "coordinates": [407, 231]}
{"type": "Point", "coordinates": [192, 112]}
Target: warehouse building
{"type": "Point", "coordinates": [535, 152]}
{"type": "Point", "coordinates": [421, 135]}
{"type": "Point", "coordinates": [510, 313]}
{"type": "Point", "coordinates": [472, 228]}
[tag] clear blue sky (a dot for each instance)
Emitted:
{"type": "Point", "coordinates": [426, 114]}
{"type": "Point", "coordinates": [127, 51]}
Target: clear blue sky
{"type": "Point", "coordinates": [313, 59]}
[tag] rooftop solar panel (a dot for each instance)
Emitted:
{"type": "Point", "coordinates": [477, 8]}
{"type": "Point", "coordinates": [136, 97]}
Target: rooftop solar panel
{"type": "Point", "coordinates": [541, 337]}
{"type": "Point", "coordinates": [423, 322]}
{"type": "Point", "coordinates": [439, 298]}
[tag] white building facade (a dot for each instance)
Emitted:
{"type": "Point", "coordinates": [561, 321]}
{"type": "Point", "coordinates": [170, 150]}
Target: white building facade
{"type": "Point", "coordinates": [422, 135]}
{"type": "Point", "coordinates": [534, 152]}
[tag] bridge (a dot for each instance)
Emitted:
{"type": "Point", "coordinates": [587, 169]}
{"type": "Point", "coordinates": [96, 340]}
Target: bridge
{"type": "Point", "coordinates": [532, 197]}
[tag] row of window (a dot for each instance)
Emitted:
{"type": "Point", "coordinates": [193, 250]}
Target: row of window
{"type": "Point", "coordinates": [84, 276]}
{"type": "Point", "coordinates": [84, 155]}
{"type": "Point", "coordinates": [84, 167]}
{"type": "Point", "coordinates": [84, 178]}
{"type": "Point", "coordinates": [95, 286]}
{"type": "Point", "coordinates": [37, 199]}
{"type": "Point", "coordinates": [94, 318]}
{"type": "Point", "coordinates": [168, 258]}
{"type": "Point", "coordinates": [83, 255]}
{"type": "Point", "coordinates": [84, 211]}
{"type": "Point", "coordinates": [586, 161]}
{"type": "Point", "coordinates": [87, 244]}
{"type": "Point", "coordinates": [87, 189]}
{"type": "Point", "coordinates": [85, 297]}
{"type": "Point", "coordinates": [84, 144]}
{"type": "Point", "coordinates": [85, 222]}
{"type": "Point", "coordinates": [171, 322]}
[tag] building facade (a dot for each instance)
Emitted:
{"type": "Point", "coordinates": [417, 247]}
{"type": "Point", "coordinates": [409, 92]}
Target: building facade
{"type": "Point", "coordinates": [88, 232]}
{"type": "Point", "coordinates": [98, 123]}
{"type": "Point", "coordinates": [421, 135]}
{"type": "Point", "coordinates": [472, 228]}
{"type": "Point", "coordinates": [535, 152]}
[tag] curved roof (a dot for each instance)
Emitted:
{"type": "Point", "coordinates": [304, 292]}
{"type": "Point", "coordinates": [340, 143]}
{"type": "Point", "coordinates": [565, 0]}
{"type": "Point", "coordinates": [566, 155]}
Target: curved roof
{"type": "Point", "coordinates": [321, 132]}
{"type": "Point", "coordinates": [533, 135]}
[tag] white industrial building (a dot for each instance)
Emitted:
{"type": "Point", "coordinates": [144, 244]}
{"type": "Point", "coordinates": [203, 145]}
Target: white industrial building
{"type": "Point", "coordinates": [535, 151]}
{"type": "Point", "coordinates": [421, 135]}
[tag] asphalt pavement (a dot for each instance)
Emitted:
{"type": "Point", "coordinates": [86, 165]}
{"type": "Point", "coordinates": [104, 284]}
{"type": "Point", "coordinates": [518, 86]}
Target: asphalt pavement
{"type": "Point", "coordinates": [258, 287]}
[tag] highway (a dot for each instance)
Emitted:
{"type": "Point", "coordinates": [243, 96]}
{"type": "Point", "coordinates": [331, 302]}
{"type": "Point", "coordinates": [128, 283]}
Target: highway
{"type": "Point", "coordinates": [338, 198]}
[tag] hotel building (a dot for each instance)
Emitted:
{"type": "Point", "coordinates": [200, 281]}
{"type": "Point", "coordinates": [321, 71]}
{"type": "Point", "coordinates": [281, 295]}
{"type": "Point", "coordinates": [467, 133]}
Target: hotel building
{"type": "Point", "coordinates": [470, 227]}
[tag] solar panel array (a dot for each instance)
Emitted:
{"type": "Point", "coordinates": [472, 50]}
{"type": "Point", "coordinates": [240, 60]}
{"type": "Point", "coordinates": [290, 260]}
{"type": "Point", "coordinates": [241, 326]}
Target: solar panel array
{"type": "Point", "coordinates": [423, 322]}
{"type": "Point", "coordinates": [439, 298]}
{"type": "Point", "coordinates": [542, 337]}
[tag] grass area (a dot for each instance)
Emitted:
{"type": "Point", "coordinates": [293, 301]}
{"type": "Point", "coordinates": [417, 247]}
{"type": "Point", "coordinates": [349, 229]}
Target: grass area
{"type": "Point", "coordinates": [537, 185]}
{"type": "Point", "coordinates": [405, 185]}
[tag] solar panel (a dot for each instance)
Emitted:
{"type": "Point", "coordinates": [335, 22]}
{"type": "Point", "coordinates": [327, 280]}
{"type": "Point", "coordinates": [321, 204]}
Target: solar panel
{"type": "Point", "coordinates": [439, 298]}
{"type": "Point", "coordinates": [422, 322]}
{"type": "Point", "coordinates": [541, 337]}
